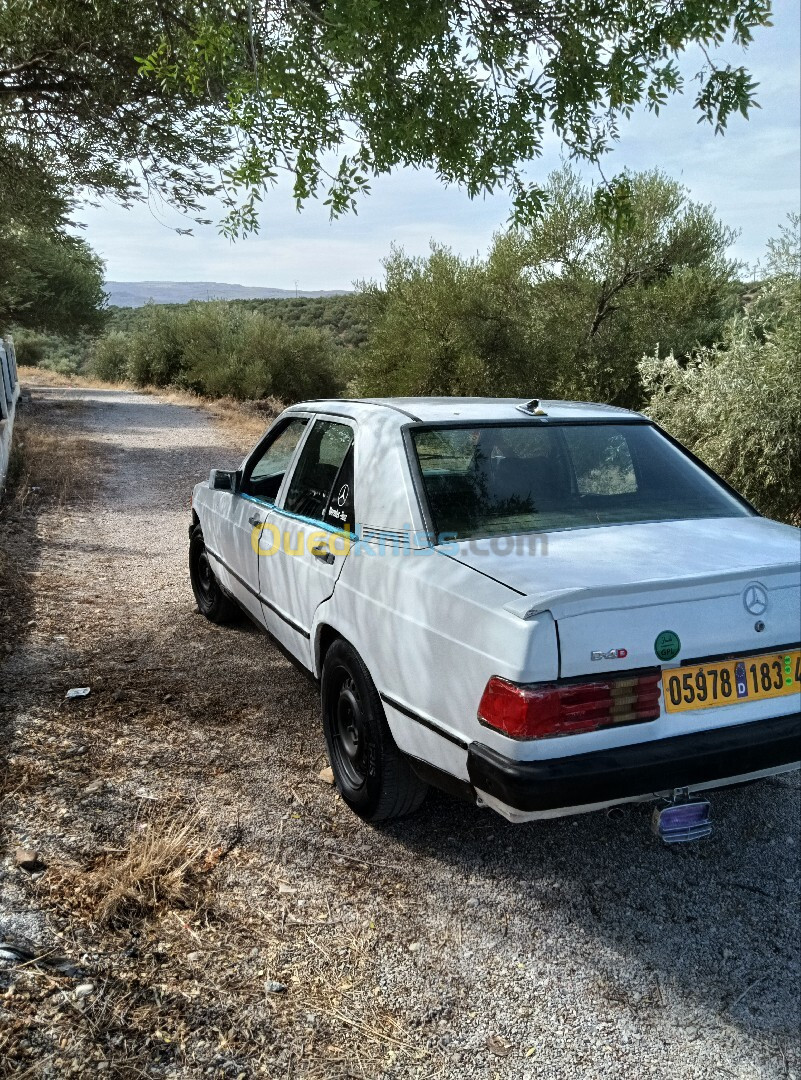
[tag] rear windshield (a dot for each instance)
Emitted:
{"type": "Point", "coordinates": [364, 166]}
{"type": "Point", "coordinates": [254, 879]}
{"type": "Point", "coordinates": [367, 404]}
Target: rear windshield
{"type": "Point", "coordinates": [508, 479]}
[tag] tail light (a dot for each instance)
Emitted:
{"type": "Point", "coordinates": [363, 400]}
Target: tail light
{"type": "Point", "coordinates": [542, 710]}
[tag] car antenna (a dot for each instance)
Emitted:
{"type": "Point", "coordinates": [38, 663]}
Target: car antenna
{"type": "Point", "coordinates": [532, 408]}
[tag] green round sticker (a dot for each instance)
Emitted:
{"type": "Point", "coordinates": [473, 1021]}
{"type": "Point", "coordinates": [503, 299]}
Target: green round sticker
{"type": "Point", "coordinates": [667, 645]}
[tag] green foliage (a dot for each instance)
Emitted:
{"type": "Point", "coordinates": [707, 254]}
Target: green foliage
{"type": "Point", "coordinates": [30, 348]}
{"type": "Point", "coordinates": [737, 404]}
{"type": "Point", "coordinates": [75, 115]}
{"type": "Point", "coordinates": [445, 325]}
{"type": "Point", "coordinates": [341, 316]}
{"type": "Point", "coordinates": [565, 308]}
{"type": "Point", "coordinates": [156, 350]}
{"type": "Point", "coordinates": [49, 281]}
{"type": "Point", "coordinates": [224, 96]}
{"type": "Point", "coordinates": [65, 354]}
{"type": "Point", "coordinates": [466, 89]}
{"type": "Point", "coordinates": [110, 356]}
{"type": "Point", "coordinates": [219, 349]}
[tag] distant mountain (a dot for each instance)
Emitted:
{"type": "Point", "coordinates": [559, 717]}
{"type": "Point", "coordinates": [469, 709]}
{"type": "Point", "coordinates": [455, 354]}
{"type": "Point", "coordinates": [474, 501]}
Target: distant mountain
{"type": "Point", "coordinates": [137, 293]}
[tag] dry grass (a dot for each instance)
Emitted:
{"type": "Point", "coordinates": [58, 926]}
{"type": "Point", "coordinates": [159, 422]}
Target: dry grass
{"type": "Point", "coordinates": [244, 422]}
{"type": "Point", "coordinates": [36, 376]}
{"type": "Point", "coordinates": [161, 868]}
{"type": "Point", "coordinates": [163, 865]}
{"type": "Point", "coordinates": [47, 463]}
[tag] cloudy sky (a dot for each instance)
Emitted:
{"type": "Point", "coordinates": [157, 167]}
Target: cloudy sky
{"type": "Point", "coordinates": [751, 176]}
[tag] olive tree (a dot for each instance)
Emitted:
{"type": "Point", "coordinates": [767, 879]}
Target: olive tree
{"type": "Point", "coordinates": [737, 404]}
{"type": "Point", "coordinates": [187, 97]}
{"type": "Point", "coordinates": [563, 308]}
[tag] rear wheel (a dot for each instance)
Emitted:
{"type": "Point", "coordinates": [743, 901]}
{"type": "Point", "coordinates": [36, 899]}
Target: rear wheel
{"type": "Point", "coordinates": [211, 600]}
{"type": "Point", "coordinates": [372, 775]}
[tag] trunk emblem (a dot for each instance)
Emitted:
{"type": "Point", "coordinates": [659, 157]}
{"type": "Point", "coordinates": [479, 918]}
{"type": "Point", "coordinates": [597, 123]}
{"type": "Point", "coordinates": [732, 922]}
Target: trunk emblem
{"type": "Point", "coordinates": [667, 645]}
{"type": "Point", "coordinates": [755, 598]}
{"type": "Point", "coordinates": [611, 654]}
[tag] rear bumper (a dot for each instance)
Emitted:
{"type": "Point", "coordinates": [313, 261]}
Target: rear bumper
{"type": "Point", "coordinates": [628, 772]}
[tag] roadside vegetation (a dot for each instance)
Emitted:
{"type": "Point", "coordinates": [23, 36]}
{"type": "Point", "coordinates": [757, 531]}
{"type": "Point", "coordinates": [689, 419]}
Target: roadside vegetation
{"type": "Point", "coordinates": [737, 403]}
{"type": "Point", "coordinates": [220, 349]}
{"type": "Point", "coordinates": [652, 314]}
{"type": "Point", "coordinates": [564, 308]}
{"type": "Point", "coordinates": [38, 466]}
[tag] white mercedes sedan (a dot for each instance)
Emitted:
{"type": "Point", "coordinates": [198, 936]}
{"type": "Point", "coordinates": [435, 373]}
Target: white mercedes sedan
{"type": "Point", "coordinates": [548, 607]}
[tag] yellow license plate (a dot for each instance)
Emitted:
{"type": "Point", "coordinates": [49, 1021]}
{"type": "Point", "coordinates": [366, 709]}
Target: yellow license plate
{"type": "Point", "coordinates": [731, 682]}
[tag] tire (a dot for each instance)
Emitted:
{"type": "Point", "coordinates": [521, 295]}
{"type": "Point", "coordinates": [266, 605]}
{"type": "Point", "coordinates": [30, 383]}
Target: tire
{"type": "Point", "coordinates": [211, 600]}
{"type": "Point", "coordinates": [373, 777]}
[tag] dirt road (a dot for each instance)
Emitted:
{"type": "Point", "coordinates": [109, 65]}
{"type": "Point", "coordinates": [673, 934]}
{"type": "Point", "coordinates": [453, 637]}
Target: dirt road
{"type": "Point", "coordinates": [305, 943]}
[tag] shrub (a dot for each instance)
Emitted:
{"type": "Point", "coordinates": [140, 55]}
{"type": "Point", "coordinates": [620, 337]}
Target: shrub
{"type": "Point", "coordinates": [110, 357]}
{"type": "Point", "coordinates": [305, 367]}
{"type": "Point", "coordinates": [225, 350]}
{"type": "Point", "coordinates": [220, 349]}
{"type": "Point", "coordinates": [565, 308]}
{"type": "Point", "coordinates": [30, 348]}
{"type": "Point", "coordinates": [65, 354]}
{"type": "Point", "coordinates": [156, 358]}
{"type": "Point", "coordinates": [738, 404]}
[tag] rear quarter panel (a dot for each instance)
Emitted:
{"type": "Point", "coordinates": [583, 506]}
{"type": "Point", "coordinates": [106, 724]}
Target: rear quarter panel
{"type": "Point", "coordinates": [432, 632]}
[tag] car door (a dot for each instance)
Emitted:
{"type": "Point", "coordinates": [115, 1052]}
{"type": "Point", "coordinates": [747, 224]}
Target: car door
{"type": "Point", "coordinates": [237, 515]}
{"type": "Point", "coordinates": [307, 535]}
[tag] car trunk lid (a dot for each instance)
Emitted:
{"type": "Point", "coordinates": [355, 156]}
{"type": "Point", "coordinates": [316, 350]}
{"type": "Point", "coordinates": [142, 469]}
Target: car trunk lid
{"type": "Point", "coordinates": [626, 597]}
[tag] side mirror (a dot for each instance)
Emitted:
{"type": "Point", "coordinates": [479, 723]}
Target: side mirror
{"type": "Point", "coordinates": [222, 480]}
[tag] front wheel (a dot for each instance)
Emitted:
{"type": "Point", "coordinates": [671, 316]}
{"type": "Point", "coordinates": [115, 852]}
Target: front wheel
{"type": "Point", "coordinates": [211, 600]}
{"type": "Point", "coordinates": [372, 775]}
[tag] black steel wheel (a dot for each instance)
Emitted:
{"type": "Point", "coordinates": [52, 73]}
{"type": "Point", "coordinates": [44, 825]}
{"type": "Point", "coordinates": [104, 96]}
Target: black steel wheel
{"type": "Point", "coordinates": [374, 778]}
{"type": "Point", "coordinates": [349, 735]}
{"type": "Point", "coordinates": [211, 600]}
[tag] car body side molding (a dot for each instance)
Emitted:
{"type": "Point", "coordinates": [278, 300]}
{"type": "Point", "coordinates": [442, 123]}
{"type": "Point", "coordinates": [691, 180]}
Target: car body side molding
{"type": "Point", "coordinates": [267, 603]}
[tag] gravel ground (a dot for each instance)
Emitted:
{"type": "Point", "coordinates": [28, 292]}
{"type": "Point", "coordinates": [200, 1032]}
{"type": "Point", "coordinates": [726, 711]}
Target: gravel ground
{"type": "Point", "coordinates": [450, 945]}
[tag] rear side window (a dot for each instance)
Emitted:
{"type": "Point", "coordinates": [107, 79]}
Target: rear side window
{"type": "Point", "coordinates": [339, 509]}
{"type": "Point", "coordinates": [506, 479]}
{"type": "Point", "coordinates": [322, 476]}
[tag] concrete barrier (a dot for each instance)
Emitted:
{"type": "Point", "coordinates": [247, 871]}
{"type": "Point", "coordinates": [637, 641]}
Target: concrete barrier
{"type": "Point", "coordinates": [9, 395]}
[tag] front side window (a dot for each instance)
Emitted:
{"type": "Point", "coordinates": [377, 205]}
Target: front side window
{"type": "Point", "coordinates": [507, 479]}
{"type": "Point", "coordinates": [264, 474]}
{"type": "Point", "coordinates": [321, 487]}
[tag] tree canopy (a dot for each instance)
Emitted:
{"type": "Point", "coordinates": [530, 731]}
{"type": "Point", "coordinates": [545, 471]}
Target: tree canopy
{"type": "Point", "coordinates": [187, 97]}
{"type": "Point", "coordinates": [49, 281]}
{"type": "Point", "coordinates": [563, 308]}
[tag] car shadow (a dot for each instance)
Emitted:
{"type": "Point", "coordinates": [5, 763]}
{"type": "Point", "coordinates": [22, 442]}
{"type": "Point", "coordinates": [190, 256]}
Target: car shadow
{"type": "Point", "coordinates": [717, 920]}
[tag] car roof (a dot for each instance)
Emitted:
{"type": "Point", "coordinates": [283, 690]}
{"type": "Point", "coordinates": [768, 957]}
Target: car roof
{"type": "Point", "coordinates": [430, 410]}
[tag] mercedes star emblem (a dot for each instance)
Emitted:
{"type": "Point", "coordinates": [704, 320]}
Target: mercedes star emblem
{"type": "Point", "coordinates": [755, 598]}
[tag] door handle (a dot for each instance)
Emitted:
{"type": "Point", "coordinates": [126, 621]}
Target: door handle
{"type": "Point", "coordinates": [322, 553]}
{"type": "Point", "coordinates": [254, 519]}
